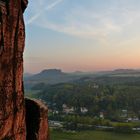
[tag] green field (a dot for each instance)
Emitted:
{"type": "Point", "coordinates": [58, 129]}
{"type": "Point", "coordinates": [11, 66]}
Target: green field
{"type": "Point", "coordinates": [92, 135]}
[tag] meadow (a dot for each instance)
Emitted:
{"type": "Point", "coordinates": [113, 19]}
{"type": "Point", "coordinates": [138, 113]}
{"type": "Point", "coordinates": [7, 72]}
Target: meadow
{"type": "Point", "coordinates": [92, 135]}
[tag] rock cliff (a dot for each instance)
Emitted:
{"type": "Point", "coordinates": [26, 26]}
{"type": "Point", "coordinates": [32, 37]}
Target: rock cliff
{"type": "Point", "coordinates": [36, 120]}
{"type": "Point", "coordinates": [12, 39]}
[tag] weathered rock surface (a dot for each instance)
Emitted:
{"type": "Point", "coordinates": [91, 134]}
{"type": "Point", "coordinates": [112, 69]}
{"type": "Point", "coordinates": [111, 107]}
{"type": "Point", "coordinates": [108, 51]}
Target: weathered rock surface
{"type": "Point", "coordinates": [36, 120]}
{"type": "Point", "coordinates": [12, 39]}
{"type": "Point", "coordinates": [12, 35]}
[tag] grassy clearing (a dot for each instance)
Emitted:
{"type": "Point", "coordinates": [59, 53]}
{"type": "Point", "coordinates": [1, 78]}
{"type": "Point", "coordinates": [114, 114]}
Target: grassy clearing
{"type": "Point", "coordinates": [92, 135]}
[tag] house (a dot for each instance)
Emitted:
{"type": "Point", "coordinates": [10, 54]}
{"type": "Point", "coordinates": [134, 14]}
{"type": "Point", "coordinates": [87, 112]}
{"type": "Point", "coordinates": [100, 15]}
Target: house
{"type": "Point", "coordinates": [84, 110]}
{"type": "Point", "coordinates": [95, 86]}
{"type": "Point", "coordinates": [55, 124]}
{"type": "Point", "coordinates": [133, 119]}
{"type": "Point", "coordinates": [101, 115]}
{"type": "Point", "coordinates": [67, 110]}
{"type": "Point", "coordinates": [124, 113]}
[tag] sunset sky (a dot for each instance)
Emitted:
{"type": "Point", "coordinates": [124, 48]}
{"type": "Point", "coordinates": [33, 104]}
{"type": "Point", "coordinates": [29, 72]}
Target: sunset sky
{"type": "Point", "coordinates": [85, 35]}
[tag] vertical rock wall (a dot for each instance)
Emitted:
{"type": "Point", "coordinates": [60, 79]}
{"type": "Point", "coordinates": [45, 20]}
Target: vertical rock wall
{"type": "Point", "coordinates": [12, 38]}
{"type": "Point", "coordinates": [17, 121]}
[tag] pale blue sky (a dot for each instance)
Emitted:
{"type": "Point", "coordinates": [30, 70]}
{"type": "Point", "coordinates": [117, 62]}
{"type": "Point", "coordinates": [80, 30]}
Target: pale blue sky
{"type": "Point", "coordinates": [87, 35]}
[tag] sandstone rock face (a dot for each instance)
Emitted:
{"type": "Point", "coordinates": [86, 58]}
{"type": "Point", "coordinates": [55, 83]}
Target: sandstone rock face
{"type": "Point", "coordinates": [12, 108]}
{"type": "Point", "coordinates": [36, 120]}
{"type": "Point", "coordinates": [12, 36]}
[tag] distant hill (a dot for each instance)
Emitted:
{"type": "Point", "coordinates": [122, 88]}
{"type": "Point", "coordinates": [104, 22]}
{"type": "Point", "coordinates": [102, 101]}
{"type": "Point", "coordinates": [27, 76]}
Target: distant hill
{"type": "Point", "coordinates": [48, 73]}
{"type": "Point", "coordinates": [128, 71]}
{"type": "Point", "coordinates": [55, 76]}
{"type": "Point", "coordinates": [125, 73]}
{"type": "Point", "coordinates": [50, 76]}
{"type": "Point", "coordinates": [120, 72]}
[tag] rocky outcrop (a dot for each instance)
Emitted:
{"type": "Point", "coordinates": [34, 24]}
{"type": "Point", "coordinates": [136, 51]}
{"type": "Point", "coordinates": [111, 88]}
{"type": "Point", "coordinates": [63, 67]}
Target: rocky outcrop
{"type": "Point", "coordinates": [12, 35]}
{"type": "Point", "coordinates": [36, 120]}
{"type": "Point", "coordinates": [12, 39]}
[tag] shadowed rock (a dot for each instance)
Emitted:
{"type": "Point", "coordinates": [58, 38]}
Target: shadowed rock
{"type": "Point", "coordinates": [36, 120]}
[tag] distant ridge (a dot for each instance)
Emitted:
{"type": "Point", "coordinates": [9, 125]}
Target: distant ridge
{"type": "Point", "coordinates": [55, 76]}
{"type": "Point", "coordinates": [125, 71]}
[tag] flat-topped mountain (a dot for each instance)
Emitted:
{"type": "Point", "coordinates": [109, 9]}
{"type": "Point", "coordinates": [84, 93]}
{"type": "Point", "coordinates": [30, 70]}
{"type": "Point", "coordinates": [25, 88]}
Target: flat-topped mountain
{"type": "Point", "coordinates": [49, 72]}
{"type": "Point", "coordinates": [49, 76]}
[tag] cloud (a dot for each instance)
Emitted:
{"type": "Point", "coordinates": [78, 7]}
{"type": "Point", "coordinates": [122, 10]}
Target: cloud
{"type": "Point", "coordinates": [93, 23]}
{"type": "Point", "coordinates": [47, 8]}
{"type": "Point", "coordinates": [53, 5]}
{"type": "Point", "coordinates": [81, 23]}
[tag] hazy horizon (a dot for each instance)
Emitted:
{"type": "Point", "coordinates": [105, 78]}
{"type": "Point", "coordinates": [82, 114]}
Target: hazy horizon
{"type": "Point", "coordinates": [92, 71]}
{"type": "Point", "coordinates": [82, 35]}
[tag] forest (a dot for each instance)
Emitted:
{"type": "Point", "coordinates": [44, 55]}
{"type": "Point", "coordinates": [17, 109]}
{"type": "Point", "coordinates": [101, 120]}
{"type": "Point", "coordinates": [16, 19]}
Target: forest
{"type": "Point", "coordinates": [116, 98]}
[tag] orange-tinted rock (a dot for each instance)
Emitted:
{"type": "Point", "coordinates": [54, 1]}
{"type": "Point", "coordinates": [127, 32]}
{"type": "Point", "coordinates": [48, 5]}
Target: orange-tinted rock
{"type": "Point", "coordinates": [36, 120]}
{"type": "Point", "coordinates": [12, 39]}
{"type": "Point", "coordinates": [12, 107]}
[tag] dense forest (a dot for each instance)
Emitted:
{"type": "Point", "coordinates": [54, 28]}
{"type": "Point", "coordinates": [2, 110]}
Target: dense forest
{"type": "Point", "coordinates": [116, 97]}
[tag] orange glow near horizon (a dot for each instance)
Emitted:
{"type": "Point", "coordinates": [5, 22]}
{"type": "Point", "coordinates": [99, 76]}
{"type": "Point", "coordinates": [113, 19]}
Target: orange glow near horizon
{"type": "Point", "coordinates": [90, 36]}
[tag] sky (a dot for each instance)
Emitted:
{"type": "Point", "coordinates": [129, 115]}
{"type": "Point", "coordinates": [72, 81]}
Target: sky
{"type": "Point", "coordinates": [82, 35]}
